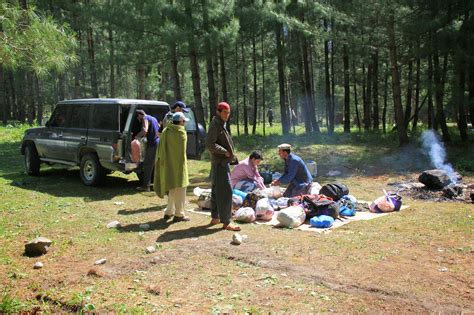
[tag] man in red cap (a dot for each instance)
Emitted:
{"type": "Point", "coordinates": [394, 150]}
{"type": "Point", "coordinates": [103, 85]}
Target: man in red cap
{"type": "Point", "coordinates": [220, 145]}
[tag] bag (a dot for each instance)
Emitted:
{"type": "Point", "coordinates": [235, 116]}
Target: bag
{"type": "Point", "coordinates": [388, 203]}
{"type": "Point", "coordinates": [346, 211]}
{"type": "Point", "coordinates": [264, 210]}
{"type": "Point", "coordinates": [135, 150]}
{"type": "Point", "coordinates": [291, 217]}
{"type": "Point", "coordinates": [321, 207]}
{"type": "Point", "coordinates": [322, 222]}
{"type": "Point", "coordinates": [204, 202]}
{"type": "Point", "coordinates": [252, 198]}
{"type": "Point", "coordinates": [236, 202]}
{"type": "Point", "coordinates": [245, 215]}
{"type": "Point", "coordinates": [334, 191]}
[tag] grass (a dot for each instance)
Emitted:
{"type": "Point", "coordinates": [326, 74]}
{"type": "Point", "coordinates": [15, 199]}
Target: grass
{"type": "Point", "coordinates": [389, 264]}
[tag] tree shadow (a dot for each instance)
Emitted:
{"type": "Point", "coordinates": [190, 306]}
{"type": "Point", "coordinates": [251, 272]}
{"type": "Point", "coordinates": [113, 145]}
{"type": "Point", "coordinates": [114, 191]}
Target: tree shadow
{"type": "Point", "coordinates": [144, 210]}
{"type": "Point", "coordinates": [159, 224]}
{"type": "Point", "coordinates": [192, 232]}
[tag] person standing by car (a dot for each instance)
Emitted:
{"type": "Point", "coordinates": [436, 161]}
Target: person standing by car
{"type": "Point", "coordinates": [149, 130]}
{"type": "Point", "coordinates": [178, 106]}
{"type": "Point", "coordinates": [171, 170]}
{"type": "Point", "coordinates": [220, 145]}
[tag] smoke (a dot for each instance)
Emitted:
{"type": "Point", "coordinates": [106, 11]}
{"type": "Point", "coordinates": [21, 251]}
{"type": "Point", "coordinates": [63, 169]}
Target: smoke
{"type": "Point", "coordinates": [434, 148]}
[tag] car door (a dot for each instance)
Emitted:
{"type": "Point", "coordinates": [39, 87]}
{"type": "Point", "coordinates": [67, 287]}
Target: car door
{"type": "Point", "coordinates": [51, 143]}
{"type": "Point", "coordinates": [75, 136]}
{"type": "Point", "coordinates": [192, 147]}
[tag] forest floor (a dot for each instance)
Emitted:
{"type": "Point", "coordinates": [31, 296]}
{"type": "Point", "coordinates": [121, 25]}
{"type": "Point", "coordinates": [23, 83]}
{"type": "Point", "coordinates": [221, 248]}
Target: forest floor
{"type": "Point", "coordinates": [418, 260]}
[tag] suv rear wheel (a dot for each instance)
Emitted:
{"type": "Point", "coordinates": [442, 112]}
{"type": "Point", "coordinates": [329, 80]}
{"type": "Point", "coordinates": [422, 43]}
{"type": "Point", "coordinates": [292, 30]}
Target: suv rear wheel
{"type": "Point", "coordinates": [92, 173]}
{"type": "Point", "coordinates": [32, 161]}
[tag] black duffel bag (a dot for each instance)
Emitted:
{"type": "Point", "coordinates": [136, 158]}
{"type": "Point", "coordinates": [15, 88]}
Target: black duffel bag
{"type": "Point", "coordinates": [334, 191]}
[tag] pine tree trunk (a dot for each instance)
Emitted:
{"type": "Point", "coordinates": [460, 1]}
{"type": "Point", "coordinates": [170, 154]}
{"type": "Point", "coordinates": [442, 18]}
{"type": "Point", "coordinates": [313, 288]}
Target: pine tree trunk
{"type": "Point", "coordinates": [332, 107]}
{"type": "Point", "coordinates": [196, 78]}
{"type": "Point", "coordinates": [77, 68]}
{"type": "Point", "coordinates": [303, 97]}
{"type": "Point", "coordinates": [471, 93]}
{"type": "Point", "coordinates": [263, 83]}
{"type": "Point", "coordinates": [237, 86]}
{"type": "Point", "coordinates": [439, 93]}
{"type": "Point", "coordinates": [244, 89]}
{"type": "Point", "coordinates": [356, 104]}
{"type": "Point", "coordinates": [408, 108]}
{"type": "Point", "coordinates": [39, 101]}
{"type": "Point", "coordinates": [14, 100]}
{"type": "Point", "coordinates": [29, 98]}
{"type": "Point", "coordinates": [462, 119]}
{"type": "Point", "coordinates": [311, 110]}
{"type": "Point", "coordinates": [61, 87]}
{"type": "Point", "coordinates": [368, 98]}
{"type": "Point", "coordinates": [254, 64]}
{"type": "Point", "coordinates": [375, 105]}
{"type": "Point", "coordinates": [20, 92]}
{"type": "Point", "coordinates": [141, 82]}
{"type": "Point", "coordinates": [281, 80]}
{"type": "Point", "coordinates": [417, 95]}
{"type": "Point", "coordinates": [112, 63]}
{"type": "Point", "coordinates": [93, 70]}
{"type": "Point", "coordinates": [397, 97]}
{"type": "Point", "coordinates": [3, 100]}
{"type": "Point", "coordinates": [209, 62]}
{"type": "Point", "coordinates": [431, 120]}
{"type": "Point", "coordinates": [225, 97]}
{"type": "Point", "coordinates": [385, 100]}
{"type": "Point", "coordinates": [327, 82]}
{"type": "Point", "coordinates": [174, 71]}
{"type": "Point", "coordinates": [347, 104]}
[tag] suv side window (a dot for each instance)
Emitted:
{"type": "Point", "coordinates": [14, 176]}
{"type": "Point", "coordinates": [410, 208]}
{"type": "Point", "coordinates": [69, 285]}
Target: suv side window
{"type": "Point", "coordinates": [191, 124]}
{"type": "Point", "coordinates": [79, 115]}
{"type": "Point", "coordinates": [105, 116]}
{"type": "Point", "coordinates": [60, 117]}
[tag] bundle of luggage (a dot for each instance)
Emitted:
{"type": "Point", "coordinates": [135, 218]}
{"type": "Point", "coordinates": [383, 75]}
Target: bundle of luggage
{"type": "Point", "coordinates": [331, 202]}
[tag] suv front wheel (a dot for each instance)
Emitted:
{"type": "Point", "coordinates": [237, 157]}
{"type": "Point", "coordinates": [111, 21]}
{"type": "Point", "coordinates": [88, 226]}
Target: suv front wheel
{"type": "Point", "coordinates": [92, 173]}
{"type": "Point", "coordinates": [32, 161]}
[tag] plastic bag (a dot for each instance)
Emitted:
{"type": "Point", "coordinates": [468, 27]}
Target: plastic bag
{"type": "Point", "coordinates": [264, 210]}
{"type": "Point", "coordinates": [322, 221]}
{"type": "Point", "coordinates": [135, 151]}
{"type": "Point", "coordinates": [245, 214]}
{"type": "Point", "coordinates": [387, 203]}
{"type": "Point", "coordinates": [291, 217]}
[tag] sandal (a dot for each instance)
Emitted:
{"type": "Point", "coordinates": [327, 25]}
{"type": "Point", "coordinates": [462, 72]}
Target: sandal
{"type": "Point", "coordinates": [215, 221]}
{"type": "Point", "coordinates": [230, 227]}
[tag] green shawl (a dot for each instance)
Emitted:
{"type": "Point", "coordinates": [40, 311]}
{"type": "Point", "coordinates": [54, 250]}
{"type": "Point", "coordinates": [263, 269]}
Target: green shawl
{"type": "Point", "coordinates": [171, 170]}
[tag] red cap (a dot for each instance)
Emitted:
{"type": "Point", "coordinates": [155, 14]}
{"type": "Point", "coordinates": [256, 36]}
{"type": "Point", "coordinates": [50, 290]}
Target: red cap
{"type": "Point", "coordinates": [223, 105]}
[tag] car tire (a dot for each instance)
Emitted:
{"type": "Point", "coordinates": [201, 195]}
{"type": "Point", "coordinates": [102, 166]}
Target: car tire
{"type": "Point", "coordinates": [92, 173]}
{"type": "Point", "coordinates": [32, 161]}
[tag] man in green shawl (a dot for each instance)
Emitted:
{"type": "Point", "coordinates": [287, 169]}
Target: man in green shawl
{"type": "Point", "coordinates": [171, 170]}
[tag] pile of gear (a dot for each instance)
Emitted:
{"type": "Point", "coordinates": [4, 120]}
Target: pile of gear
{"type": "Point", "coordinates": [321, 208]}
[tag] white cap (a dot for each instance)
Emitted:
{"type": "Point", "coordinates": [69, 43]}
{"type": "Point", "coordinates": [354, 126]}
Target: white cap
{"type": "Point", "coordinates": [284, 146]}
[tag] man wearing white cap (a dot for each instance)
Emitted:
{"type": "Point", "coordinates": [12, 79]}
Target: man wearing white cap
{"type": "Point", "coordinates": [296, 174]}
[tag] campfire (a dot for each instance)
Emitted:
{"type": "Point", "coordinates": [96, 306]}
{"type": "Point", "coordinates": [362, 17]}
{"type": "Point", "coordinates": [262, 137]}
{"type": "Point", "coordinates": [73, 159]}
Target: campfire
{"type": "Point", "coordinates": [437, 185]}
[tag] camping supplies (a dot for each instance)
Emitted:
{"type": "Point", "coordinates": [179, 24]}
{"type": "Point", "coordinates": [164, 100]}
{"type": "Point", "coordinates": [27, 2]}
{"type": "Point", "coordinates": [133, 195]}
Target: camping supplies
{"type": "Point", "coordinates": [136, 153]}
{"type": "Point", "coordinates": [391, 201]}
{"type": "Point", "coordinates": [316, 206]}
{"type": "Point", "coordinates": [236, 202]}
{"type": "Point", "coordinates": [335, 191]}
{"type": "Point", "coordinates": [264, 210]}
{"type": "Point", "coordinates": [282, 203]}
{"type": "Point", "coordinates": [239, 193]}
{"type": "Point", "coordinates": [323, 221]}
{"type": "Point", "coordinates": [267, 177]}
{"type": "Point", "coordinates": [273, 192]}
{"type": "Point", "coordinates": [252, 198]}
{"type": "Point", "coordinates": [345, 211]}
{"type": "Point", "coordinates": [315, 188]}
{"type": "Point", "coordinates": [291, 217]}
{"type": "Point", "coordinates": [204, 197]}
{"type": "Point", "coordinates": [245, 214]}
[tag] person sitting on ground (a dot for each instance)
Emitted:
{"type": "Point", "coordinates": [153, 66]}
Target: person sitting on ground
{"type": "Point", "coordinates": [296, 174]}
{"type": "Point", "coordinates": [245, 176]}
{"type": "Point", "coordinates": [171, 171]}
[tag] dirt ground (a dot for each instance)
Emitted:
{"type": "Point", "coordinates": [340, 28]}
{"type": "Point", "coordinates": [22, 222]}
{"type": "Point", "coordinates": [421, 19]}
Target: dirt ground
{"type": "Point", "coordinates": [415, 261]}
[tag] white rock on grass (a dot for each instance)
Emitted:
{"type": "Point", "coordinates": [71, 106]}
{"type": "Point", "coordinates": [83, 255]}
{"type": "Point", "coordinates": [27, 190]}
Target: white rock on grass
{"type": "Point", "coordinates": [113, 224]}
{"type": "Point", "coordinates": [100, 261]}
{"type": "Point", "coordinates": [144, 226]}
{"type": "Point", "coordinates": [150, 249]}
{"type": "Point", "coordinates": [237, 239]}
{"type": "Point", "coordinates": [119, 203]}
{"type": "Point", "coordinates": [38, 265]}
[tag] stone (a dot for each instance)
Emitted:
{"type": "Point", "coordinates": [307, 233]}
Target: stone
{"type": "Point", "coordinates": [153, 289]}
{"type": "Point", "coordinates": [144, 226]}
{"type": "Point", "coordinates": [119, 203]}
{"type": "Point", "coordinates": [150, 249]}
{"type": "Point", "coordinates": [452, 190]}
{"type": "Point", "coordinates": [38, 265]}
{"type": "Point", "coordinates": [237, 239]}
{"type": "Point", "coordinates": [113, 224]}
{"type": "Point", "coordinates": [100, 261]}
{"type": "Point", "coordinates": [434, 179]}
{"type": "Point", "coordinates": [37, 247]}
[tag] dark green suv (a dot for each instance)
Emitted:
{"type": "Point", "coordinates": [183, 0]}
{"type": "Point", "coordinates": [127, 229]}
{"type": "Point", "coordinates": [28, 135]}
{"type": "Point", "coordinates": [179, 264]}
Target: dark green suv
{"type": "Point", "coordinates": [96, 135]}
